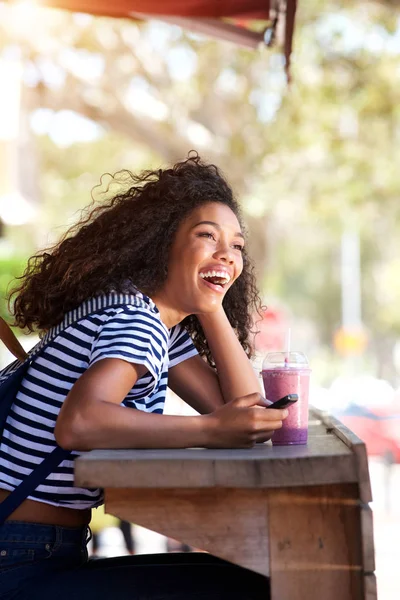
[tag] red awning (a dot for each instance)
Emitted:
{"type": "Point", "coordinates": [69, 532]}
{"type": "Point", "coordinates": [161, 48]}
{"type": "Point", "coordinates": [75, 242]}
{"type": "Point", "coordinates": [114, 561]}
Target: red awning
{"type": "Point", "coordinates": [247, 9]}
{"type": "Point", "coordinates": [202, 16]}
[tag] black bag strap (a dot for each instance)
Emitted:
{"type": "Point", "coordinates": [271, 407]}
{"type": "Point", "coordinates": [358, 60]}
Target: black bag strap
{"type": "Point", "coordinates": [10, 386]}
{"type": "Point", "coordinates": [30, 483]}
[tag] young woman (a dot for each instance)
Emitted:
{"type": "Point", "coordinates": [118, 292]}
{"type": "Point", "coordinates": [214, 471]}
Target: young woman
{"type": "Point", "coordinates": [153, 288]}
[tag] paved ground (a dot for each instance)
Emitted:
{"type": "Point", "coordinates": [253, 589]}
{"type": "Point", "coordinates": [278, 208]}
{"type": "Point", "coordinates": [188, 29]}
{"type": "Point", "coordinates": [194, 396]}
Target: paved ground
{"type": "Point", "coordinates": [386, 508]}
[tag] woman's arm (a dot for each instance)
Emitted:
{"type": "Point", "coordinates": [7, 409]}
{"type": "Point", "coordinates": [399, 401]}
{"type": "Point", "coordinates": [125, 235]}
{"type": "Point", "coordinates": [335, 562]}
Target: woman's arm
{"type": "Point", "coordinates": [236, 374]}
{"type": "Point", "coordinates": [92, 417]}
{"type": "Point", "coordinates": [197, 384]}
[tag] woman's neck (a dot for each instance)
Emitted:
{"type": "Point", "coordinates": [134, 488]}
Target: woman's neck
{"type": "Point", "coordinates": [170, 315]}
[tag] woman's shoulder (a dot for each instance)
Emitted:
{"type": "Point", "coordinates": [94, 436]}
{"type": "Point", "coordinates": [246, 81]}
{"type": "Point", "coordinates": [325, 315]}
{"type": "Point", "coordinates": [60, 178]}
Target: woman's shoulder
{"type": "Point", "coordinates": [100, 308]}
{"type": "Point", "coordinates": [133, 317]}
{"type": "Point", "coordinates": [130, 315]}
{"type": "Point", "coordinates": [107, 314]}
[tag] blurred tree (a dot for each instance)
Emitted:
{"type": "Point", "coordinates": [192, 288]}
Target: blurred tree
{"type": "Point", "coordinates": [308, 161]}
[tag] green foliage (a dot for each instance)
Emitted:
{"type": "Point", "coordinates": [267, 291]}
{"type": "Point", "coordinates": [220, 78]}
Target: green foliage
{"type": "Point", "coordinates": [10, 268]}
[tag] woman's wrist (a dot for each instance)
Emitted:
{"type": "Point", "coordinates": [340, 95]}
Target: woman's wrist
{"type": "Point", "coordinates": [207, 430]}
{"type": "Point", "coordinates": [212, 318]}
{"type": "Point", "coordinates": [235, 372]}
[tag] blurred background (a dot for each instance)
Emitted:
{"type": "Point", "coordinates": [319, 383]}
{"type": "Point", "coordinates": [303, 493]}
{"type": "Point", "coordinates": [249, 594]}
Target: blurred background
{"type": "Point", "coordinates": [315, 165]}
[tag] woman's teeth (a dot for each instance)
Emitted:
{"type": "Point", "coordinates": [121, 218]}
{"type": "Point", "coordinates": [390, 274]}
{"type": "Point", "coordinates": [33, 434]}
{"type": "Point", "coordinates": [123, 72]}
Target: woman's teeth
{"type": "Point", "coordinates": [224, 277]}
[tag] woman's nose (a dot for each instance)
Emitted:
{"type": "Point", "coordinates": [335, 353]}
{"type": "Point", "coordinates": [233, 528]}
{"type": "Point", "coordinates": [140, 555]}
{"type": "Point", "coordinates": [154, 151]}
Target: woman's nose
{"type": "Point", "coordinates": [225, 254]}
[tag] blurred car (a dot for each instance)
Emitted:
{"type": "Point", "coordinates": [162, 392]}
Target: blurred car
{"type": "Point", "coordinates": [377, 426]}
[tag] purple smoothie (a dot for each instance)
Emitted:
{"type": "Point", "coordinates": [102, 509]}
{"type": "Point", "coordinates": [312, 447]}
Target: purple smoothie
{"type": "Point", "coordinates": [280, 381]}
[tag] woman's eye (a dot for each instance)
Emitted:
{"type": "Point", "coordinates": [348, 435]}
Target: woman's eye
{"type": "Point", "coordinates": [238, 247]}
{"type": "Point", "coordinates": [207, 234]}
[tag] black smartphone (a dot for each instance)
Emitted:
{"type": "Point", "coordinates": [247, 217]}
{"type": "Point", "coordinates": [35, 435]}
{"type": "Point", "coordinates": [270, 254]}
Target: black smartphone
{"type": "Point", "coordinates": [285, 401]}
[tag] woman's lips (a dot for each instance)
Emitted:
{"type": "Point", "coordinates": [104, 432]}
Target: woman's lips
{"type": "Point", "coordinates": [216, 288]}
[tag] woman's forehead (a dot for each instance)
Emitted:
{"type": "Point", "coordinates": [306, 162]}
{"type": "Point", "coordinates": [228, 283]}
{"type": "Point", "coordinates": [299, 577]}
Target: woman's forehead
{"type": "Point", "coordinates": [215, 212]}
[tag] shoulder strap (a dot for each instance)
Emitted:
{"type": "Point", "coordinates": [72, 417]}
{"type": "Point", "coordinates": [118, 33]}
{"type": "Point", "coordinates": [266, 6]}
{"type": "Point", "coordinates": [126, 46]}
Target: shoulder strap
{"type": "Point", "coordinates": [39, 474]}
{"type": "Point", "coordinates": [30, 483]}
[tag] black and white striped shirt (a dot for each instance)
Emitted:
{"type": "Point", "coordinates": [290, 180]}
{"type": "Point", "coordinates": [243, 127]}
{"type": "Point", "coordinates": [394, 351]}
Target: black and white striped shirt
{"type": "Point", "coordinates": [134, 333]}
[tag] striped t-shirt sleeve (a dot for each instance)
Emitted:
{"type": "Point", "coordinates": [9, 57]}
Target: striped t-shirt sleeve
{"type": "Point", "coordinates": [135, 335]}
{"type": "Point", "coordinates": [181, 346]}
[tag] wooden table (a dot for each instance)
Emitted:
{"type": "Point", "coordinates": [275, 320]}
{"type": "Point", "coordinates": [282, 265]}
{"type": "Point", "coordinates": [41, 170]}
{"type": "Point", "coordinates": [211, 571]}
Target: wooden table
{"type": "Point", "coordinates": [298, 514]}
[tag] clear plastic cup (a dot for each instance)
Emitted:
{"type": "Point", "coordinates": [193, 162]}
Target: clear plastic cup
{"type": "Point", "coordinates": [288, 373]}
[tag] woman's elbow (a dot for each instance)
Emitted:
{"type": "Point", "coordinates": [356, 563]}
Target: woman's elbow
{"type": "Point", "coordinates": [71, 434]}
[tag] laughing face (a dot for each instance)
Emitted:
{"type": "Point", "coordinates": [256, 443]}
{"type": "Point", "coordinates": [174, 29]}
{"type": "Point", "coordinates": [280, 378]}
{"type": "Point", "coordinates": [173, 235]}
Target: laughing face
{"type": "Point", "coordinates": [205, 260]}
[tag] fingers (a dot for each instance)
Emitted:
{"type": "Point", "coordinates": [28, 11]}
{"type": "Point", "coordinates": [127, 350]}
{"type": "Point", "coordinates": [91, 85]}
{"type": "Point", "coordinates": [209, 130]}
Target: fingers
{"type": "Point", "coordinates": [260, 426]}
{"type": "Point", "coordinates": [260, 438]}
{"type": "Point", "coordinates": [270, 415]}
{"type": "Point", "coordinates": [254, 399]}
{"type": "Point", "coordinates": [278, 413]}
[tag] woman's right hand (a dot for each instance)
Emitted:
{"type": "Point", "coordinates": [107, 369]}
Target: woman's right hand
{"type": "Point", "coordinates": [243, 422]}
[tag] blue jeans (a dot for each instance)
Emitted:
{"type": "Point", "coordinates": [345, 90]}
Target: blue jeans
{"type": "Point", "coordinates": [45, 560]}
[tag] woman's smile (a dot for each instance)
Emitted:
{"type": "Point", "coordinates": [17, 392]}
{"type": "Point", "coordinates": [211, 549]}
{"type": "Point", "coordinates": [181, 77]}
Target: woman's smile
{"type": "Point", "coordinates": [216, 278]}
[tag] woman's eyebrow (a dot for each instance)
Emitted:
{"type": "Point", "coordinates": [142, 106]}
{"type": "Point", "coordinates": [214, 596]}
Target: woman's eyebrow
{"type": "Point", "coordinates": [238, 233]}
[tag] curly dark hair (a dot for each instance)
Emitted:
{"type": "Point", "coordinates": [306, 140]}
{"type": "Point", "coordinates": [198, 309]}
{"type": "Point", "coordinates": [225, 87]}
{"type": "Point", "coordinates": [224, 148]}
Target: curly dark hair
{"type": "Point", "coordinates": [127, 238]}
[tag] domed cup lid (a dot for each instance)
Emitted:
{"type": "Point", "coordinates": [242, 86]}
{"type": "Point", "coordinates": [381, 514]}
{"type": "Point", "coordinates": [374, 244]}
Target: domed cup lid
{"type": "Point", "coordinates": [285, 360]}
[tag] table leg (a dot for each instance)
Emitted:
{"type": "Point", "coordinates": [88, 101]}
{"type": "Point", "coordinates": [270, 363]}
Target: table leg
{"type": "Point", "coordinates": [316, 543]}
